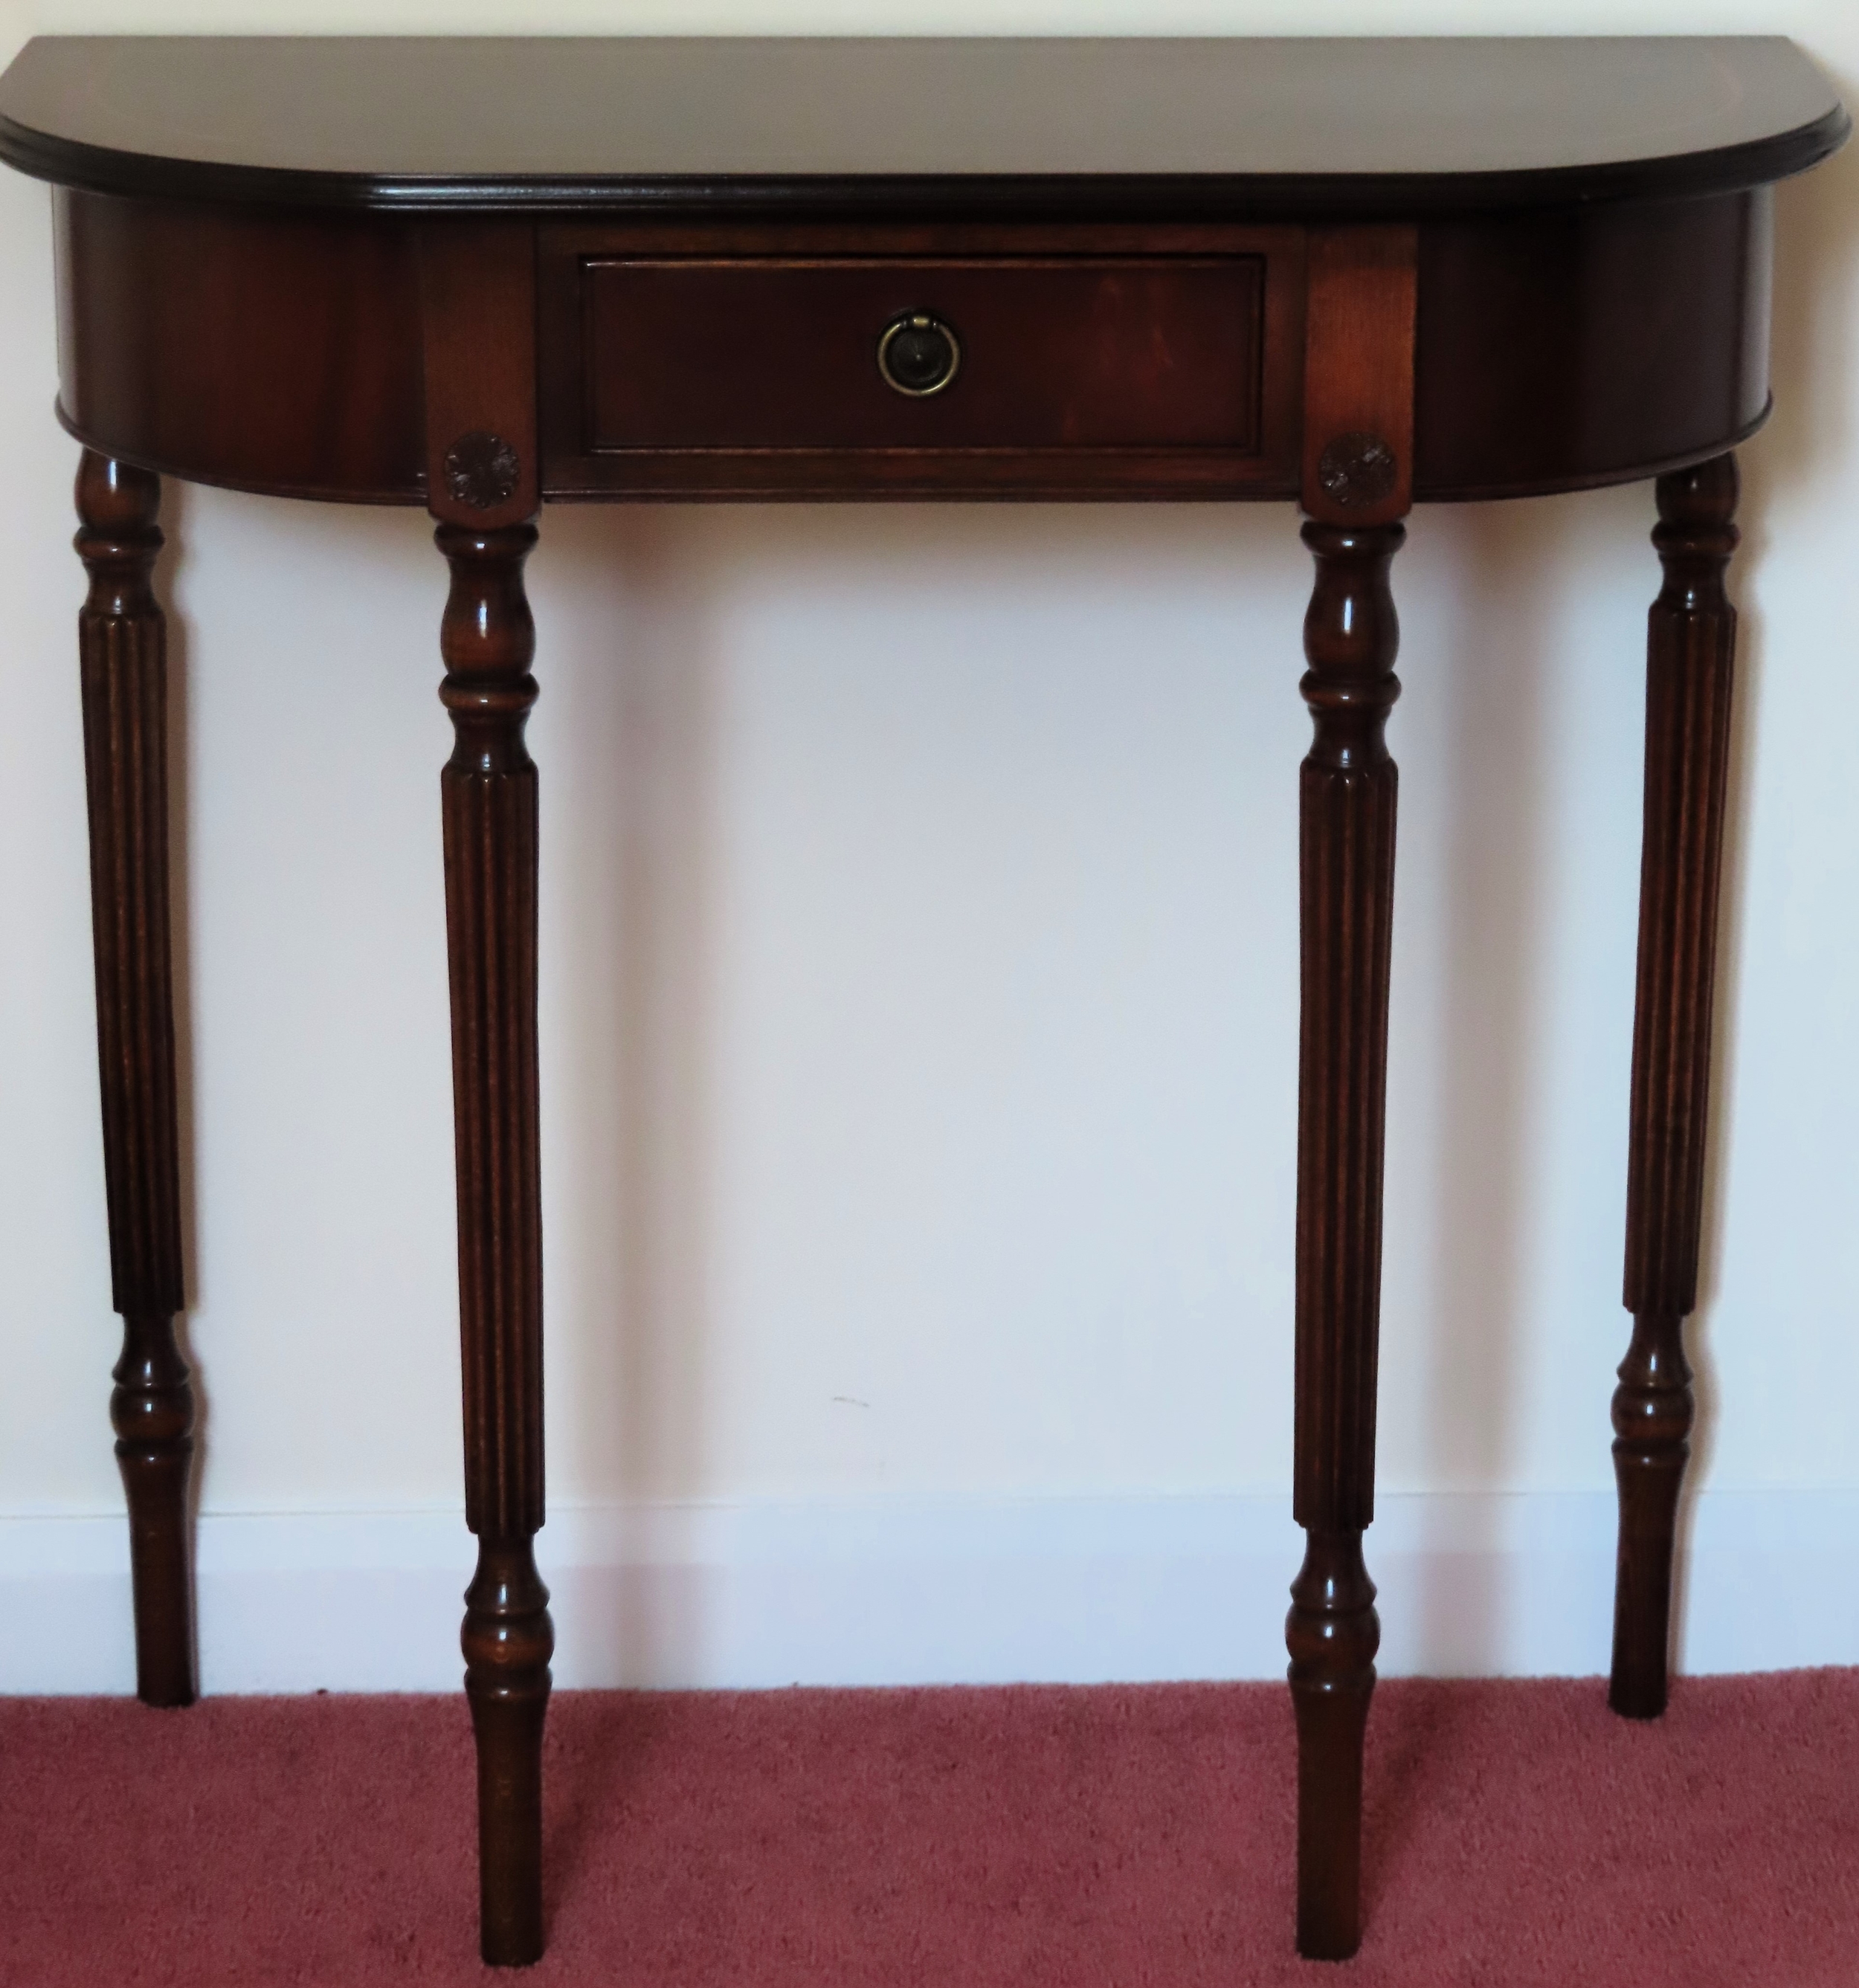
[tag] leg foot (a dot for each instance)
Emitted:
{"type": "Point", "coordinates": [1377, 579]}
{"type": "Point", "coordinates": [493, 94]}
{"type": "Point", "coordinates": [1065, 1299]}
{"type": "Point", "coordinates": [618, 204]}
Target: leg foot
{"type": "Point", "coordinates": [508, 1640]}
{"type": "Point", "coordinates": [152, 1407]}
{"type": "Point", "coordinates": [1331, 1632]}
{"type": "Point", "coordinates": [1652, 1421]}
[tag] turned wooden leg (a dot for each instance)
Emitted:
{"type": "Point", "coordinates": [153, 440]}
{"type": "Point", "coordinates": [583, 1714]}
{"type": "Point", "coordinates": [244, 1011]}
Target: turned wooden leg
{"type": "Point", "coordinates": [1356, 485]}
{"type": "Point", "coordinates": [1347, 880]}
{"type": "Point", "coordinates": [489, 799]}
{"type": "Point", "coordinates": [122, 656]}
{"type": "Point", "coordinates": [478, 307]}
{"type": "Point", "coordinates": [1690, 652]}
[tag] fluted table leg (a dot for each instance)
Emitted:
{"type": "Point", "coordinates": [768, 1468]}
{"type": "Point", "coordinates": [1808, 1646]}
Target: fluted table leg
{"type": "Point", "coordinates": [1357, 484]}
{"type": "Point", "coordinates": [489, 790]}
{"type": "Point", "coordinates": [477, 300]}
{"type": "Point", "coordinates": [1348, 791]}
{"type": "Point", "coordinates": [1690, 650]}
{"type": "Point", "coordinates": [122, 641]}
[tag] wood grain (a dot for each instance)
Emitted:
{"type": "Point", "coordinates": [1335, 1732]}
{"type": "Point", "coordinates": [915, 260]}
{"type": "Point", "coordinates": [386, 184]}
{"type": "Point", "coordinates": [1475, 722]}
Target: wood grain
{"type": "Point", "coordinates": [282, 352]}
{"type": "Point", "coordinates": [269, 352]}
{"type": "Point", "coordinates": [1585, 346]}
{"type": "Point", "coordinates": [1061, 353]}
{"type": "Point", "coordinates": [1359, 367]}
{"type": "Point", "coordinates": [713, 361]}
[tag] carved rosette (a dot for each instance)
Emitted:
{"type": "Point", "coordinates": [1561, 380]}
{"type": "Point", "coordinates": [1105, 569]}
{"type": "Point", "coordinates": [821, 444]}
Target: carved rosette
{"type": "Point", "coordinates": [481, 470]}
{"type": "Point", "coordinates": [1357, 470]}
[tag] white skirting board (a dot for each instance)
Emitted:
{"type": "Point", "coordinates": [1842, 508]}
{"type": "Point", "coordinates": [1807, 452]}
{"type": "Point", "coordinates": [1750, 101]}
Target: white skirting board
{"type": "Point", "coordinates": [956, 1591]}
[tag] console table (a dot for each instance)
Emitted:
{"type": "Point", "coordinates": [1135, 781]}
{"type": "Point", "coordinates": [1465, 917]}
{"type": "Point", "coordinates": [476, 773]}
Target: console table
{"type": "Point", "coordinates": [483, 275]}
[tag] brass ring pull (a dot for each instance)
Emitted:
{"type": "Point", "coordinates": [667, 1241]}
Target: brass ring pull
{"type": "Point", "coordinates": [917, 354]}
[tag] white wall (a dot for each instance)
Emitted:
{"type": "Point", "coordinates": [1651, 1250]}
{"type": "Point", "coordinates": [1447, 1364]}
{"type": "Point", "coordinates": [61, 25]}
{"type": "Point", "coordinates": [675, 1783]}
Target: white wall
{"type": "Point", "coordinates": [919, 1025]}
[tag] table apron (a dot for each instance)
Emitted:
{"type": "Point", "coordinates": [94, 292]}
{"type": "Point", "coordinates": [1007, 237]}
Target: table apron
{"type": "Point", "coordinates": [280, 352]}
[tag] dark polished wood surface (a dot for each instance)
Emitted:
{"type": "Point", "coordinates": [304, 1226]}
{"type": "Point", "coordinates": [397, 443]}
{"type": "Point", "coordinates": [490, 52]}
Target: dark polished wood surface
{"type": "Point", "coordinates": [1690, 648]}
{"type": "Point", "coordinates": [966, 125]}
{"type": "Point", "coordinates": [484, 275]}
{"type": "Point", "coordinates": [1356, 488]}
{"type": "Point", "coordinates": [1132, 360]}
{"type": "Point", "coordinates": [122, 658]}
{"type": "Point", "coordinates": [280, 352]}
{"type": "Point", "coordinates": [478, 288]}
{"type": "Point", "coordinates": [1082, 352]}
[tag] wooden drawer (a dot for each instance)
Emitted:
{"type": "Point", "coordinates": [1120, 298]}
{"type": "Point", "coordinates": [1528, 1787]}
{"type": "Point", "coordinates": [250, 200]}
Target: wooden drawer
{"type": "Point", "coordinates": [1156, 361]}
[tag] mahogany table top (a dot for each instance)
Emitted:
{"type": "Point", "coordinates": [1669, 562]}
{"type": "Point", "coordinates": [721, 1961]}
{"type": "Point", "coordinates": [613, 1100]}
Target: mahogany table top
{"type": "Point", "coordinates": [1362, 127]}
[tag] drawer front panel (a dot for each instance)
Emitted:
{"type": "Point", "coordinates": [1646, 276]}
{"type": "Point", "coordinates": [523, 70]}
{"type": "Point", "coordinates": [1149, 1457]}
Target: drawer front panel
{"type": "Point", "coordinates": [1059, 354]}
{"type": "Point", "coordinates": [741, 360]}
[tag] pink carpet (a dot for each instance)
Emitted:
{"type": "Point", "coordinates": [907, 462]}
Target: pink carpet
{"type": "Point", "coordinates": [1039, 1837]}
